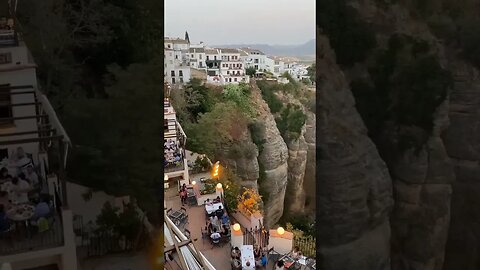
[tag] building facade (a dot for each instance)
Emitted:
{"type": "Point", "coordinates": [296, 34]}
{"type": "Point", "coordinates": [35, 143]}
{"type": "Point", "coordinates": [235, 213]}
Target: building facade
{"type": "Point", "coordinates": [176, 61]}
{"type": "Point", "coordinates": [30, 128]}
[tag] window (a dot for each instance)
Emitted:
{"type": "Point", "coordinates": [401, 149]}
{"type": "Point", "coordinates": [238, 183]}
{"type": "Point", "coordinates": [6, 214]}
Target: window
{"type": "Point", "coordinates": [200, 57]}
{"type": "Point", "coordinates": [176, 56]}
{"type": "Point", "coordinates": [173, 80]}
{"type": "Point", "coordinates": [214, 57]}
{"type": "Point", "coordinates": [207, 58]}
{"type": "Point", "coordinates": [172, 73]}
{"type": "Point", "coordinates": [181, 80]}
{"type": "Point", "coordinates": [180, 72]}
{"type": "Point", "coordinates": [165, 125]}
{"type": "Point", "coordinates": [235, 79]}
{"type": "Point", "coordinates": [192, 55]}
{"type": "Point", "coordinates": [5, 101]}
{"type": "Point", "coordinates": [228, 72]}
{"type": "Point", "coordinates": [169, 46]}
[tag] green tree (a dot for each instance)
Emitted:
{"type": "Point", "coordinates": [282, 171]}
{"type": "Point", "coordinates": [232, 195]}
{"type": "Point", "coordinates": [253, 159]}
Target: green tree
{"type": "Point", "coordinates": [312, 72]}
{"type": "Point", "coordinates": [250, 71]}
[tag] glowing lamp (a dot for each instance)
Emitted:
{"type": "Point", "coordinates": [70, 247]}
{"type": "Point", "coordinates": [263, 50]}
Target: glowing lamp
{"type": "Point", "coordinates": [194, 183]}
{"type": "Point", "coordinates": [219, 185]}
{"type": "Point", "coordinates": [236, 227]}
{"type": "Point", "coordinates": [165, 178]}
{"type": "Point", "coordinates": [280, 231]}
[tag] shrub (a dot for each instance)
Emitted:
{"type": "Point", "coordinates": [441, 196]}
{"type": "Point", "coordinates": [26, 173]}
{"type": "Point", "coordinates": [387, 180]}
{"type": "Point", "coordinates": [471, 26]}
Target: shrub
{"type": "Point", "coordinates": [268, 94]}
{"type": "Point", "coordinates": [291, 121]}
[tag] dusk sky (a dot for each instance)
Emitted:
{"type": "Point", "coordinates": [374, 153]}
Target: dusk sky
{"type": "Point", "coordinates": [223, 22]}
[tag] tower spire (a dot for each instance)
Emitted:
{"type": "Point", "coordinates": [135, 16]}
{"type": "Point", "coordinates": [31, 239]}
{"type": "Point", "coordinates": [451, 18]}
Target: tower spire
{"type": "Point", "coordinates": [186, 37]}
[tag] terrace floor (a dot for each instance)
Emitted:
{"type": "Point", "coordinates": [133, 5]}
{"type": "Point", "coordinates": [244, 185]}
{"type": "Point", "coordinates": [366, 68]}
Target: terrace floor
{"type": "Point", "coordinates": [219, 257]}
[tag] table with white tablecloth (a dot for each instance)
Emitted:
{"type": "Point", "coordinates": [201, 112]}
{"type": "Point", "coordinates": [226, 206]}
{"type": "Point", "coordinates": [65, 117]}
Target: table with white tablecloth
{"type": "Point", "coordinates": [210, 208]}
{"type": "Point", "coordinates": [247, 257]}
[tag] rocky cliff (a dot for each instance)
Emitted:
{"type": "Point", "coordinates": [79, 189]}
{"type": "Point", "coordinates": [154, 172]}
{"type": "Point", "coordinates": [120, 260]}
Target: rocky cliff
{"type": "Point", "coordinates": [355, 189]}
{"type": "Point", "coordinates": [462, 141]}
{"type": "Point", "coordinates": [273, 157]}
{"type": "Point", "coordinates": [434, 222]}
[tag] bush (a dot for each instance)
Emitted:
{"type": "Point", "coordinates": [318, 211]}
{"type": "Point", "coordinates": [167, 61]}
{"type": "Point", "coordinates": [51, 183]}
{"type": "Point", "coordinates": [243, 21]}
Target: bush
{"type": "Point", "coordinates": [291, 121]}
{"type": "Point", "coordinates": [268, 94]}
{"type": "Point", "coordinates": [250, 71]}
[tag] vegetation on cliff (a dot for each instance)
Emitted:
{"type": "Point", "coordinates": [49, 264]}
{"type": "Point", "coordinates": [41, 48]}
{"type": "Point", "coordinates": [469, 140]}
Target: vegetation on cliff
{"type": "Point", "coordinates": [407, 85]}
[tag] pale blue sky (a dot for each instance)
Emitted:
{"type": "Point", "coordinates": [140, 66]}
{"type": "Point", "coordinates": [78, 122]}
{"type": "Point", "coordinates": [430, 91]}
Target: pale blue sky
{"type": "Point", "coordinates": [218, 22]}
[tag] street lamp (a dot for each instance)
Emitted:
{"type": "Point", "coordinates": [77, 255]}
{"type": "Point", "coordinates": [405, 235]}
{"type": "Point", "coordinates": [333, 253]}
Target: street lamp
{"type": "Point", "coordinates": [194, 182]}
{"type": "Point", "coordinates": [280, 231]}
{"type": "Point", "coordinates": [216, 168]}
{"type": "Point", "coordinates": [236, 227]}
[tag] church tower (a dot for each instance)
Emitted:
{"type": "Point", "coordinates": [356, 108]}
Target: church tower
{"type": "Point", "coordinates": [186, 37]}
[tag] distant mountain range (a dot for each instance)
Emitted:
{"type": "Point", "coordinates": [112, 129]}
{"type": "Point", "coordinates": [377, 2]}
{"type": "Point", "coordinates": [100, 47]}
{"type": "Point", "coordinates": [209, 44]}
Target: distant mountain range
{"type": "Point", "coordinates": [306, 49]}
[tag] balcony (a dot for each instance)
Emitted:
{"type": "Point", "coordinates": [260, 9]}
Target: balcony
{"type": "Point", "coordinates": [8, 38]}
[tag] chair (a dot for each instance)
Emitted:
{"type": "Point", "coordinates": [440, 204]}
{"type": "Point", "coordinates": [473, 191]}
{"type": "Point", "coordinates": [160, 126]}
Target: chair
{"type": "Point", "coordinates": [169, 211]}
{"type": "Point", "coordinates": [187, 233]}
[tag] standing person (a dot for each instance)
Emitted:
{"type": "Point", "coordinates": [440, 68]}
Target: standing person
{"type": "Point", "coordinates": [182, 195]}
{"type": "Point", "coordinates": [296, 253]}
{"type": "Point", "coordinates": [32, 176]}
{"type": "Point", "coordinates": [280, 265]}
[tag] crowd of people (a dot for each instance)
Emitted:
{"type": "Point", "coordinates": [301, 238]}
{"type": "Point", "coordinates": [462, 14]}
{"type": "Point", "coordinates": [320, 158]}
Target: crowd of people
{"type": "Point", "coordinates": [22, 188]}
{"type": "Point", "coordinates": [259, 255]}
{"type": "Point", "coordinates": [173, 153]}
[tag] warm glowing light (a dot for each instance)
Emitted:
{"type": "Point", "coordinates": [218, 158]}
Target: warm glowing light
{"type": "Point", "coordinates": [280, 231]}
{"type": "Point", "coordinates": [165, 178]}
{"type": "Point", "coordinates": [236, 227]}
{"type": "Point", "coordinates": [219, 185]}
{"type": "Point", "coordinates": [194, 183]}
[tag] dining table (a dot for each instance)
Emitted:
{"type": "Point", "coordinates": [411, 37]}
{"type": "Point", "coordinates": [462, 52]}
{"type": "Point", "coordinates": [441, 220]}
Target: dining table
{"type": "Point", "coordinates": [212, 207]}
{"type": "Point", "coordinates": [247, 257]}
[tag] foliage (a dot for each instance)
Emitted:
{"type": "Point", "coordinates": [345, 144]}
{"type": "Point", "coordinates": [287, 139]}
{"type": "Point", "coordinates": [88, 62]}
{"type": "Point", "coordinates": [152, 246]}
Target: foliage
{"type": "Point", "coordinates": [345, 29]}
{"type": "Point", "coordinates": [250, 71]}
{"type": "Point", "coordinates": [223, 125]}
{"type": "Point", "coordinates": [262, 177]}
{"type": "Point", "coordinates": [257, 132]}
{"type": "Point", "coordinates": [250, 201]}
{"type": "Point", "coordinates": [112, 221]}
{"type": "Point", "coordinates": [239, 94]}
{"type": "Point", "coordinates": [268, 94]}
{"type": "Point", "coordinates": [291, 121]}
{"type": "Point", "coordinates": [231, 188]}
{"type": "Point", "coordinates": [243, 149]}
{"type": "Point", "coordinates": [408, 84]}
{"type": "Point", "coordinates": [120, 150]}
{"type": "Point", "coordinates": [202, 163]}
{"type": "Point", "coordinates": [311, 72]}
{"type": "Point", "coordinates": [306, 81]}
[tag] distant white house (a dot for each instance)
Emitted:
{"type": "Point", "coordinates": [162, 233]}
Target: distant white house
{"type": "Point", "coordinates": [176, 61]}
{"type": "Point", "coordinates": [256, 59]}
{"type": "Point", "coordinates": [224, 66]}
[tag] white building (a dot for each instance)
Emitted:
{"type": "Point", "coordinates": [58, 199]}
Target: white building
{"type": "Point", "coordinates": [213, 62]}
{"type": "Point", "coordinates": [176, 61]}
{"type": "Point", "coordinates": [256, 59]}
{"type": "Point", "coordinates": [232, 68]}
{"type": "Point", "coordinates": [28, 121]}
{"type": "Point", "coordinates": [175, 160]}
{"type": "Point", "coordinates": [197, 58]}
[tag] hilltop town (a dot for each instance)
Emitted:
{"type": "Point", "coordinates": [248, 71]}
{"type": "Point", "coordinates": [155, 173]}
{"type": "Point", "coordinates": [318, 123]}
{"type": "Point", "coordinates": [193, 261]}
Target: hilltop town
{"type": "Point", "coordinates": [221, 66]}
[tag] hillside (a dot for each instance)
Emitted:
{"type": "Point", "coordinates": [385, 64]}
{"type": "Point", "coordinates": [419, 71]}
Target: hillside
{"type": "Point", "coordinates": [306, 49]}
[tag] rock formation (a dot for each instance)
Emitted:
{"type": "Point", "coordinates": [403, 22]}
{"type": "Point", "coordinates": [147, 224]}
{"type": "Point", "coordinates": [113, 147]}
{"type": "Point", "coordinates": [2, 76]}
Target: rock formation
{"type": "Point", "coordinates": [355, 189]}
{"type": "Point", "coordinates": [273, 157]}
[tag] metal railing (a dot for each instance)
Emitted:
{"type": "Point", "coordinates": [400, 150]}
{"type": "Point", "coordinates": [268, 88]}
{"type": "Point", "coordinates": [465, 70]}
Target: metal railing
{"type": "Point", "coordinates": [26, 238]}
{"type": "Point", "coordinates": [256, 236]}
{"type": "Point", "coordinates": [8, 37]}
{"type": "Point", "coordinates": [307, 244]}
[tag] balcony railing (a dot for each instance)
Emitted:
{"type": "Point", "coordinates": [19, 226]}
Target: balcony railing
{"type": "Point", "coordinates": [23, 240]}
{"type": "Point", "coordinates": [8, 38]}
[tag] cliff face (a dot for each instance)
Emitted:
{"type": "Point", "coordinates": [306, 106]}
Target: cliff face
{"type": "Point", "coordinates": [297, 163]}
{"type": "Point", "coordinates": [273, 157]}
{"type": "Point", "coordinates": [355, 189]}
{"type": "Point", "coordinates": [462, 141]}
{"type": "Point", "coordinates": [309, 180]}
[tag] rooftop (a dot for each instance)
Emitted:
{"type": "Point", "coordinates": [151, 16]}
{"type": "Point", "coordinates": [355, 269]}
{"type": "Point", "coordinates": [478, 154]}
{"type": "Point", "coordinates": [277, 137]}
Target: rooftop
{"type": "Point", "coordinates": [252, 51]}
{"type": "Point", "coordinates": [197, 50]}
{"type": "Point", "coordinates": [176, 40]}
{"type": "Point", "coordinates": [211, 51]}
{"type": "Point", "coordinates": [229, 50]}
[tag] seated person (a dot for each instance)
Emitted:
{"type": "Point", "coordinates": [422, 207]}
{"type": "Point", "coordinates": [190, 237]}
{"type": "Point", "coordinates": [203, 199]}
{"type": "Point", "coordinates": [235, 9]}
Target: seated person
{"type": "Point", "coordinates": [236, 263]}
{"type": "Point", "coordinates": [280, 265]}
{"type": "Point", "coordinates": [209, 227]}
{"type": "Point", "coordinates": [296, 253]}
{"type": "Point", "coordinates": [32, 176]}
{"type": "Point", "coordinates": [236, 253]}
{"type": "Point", "coordinates": [215, 236]}
{"type": "Point", "coordinates": [21, 189]}
{"type": "Point", "coordinates": [4, 223]}
{"type": "Point", "coordinates": [217, 200]}
{"type": "Point", "coordinates": [5, 200]}
{"type": "Point", "coordinates": [225, 230]}
{"type": "Point", "coordinates": [42, 209]}
{"type": "Point", "coordinates": [21, 159]}
{"type": "Point", "coordinates": [219, 212]}
{"type": "Point", "coordinates": [256, 252]}
{"type": "Point", "coordinates": [225, 219]}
